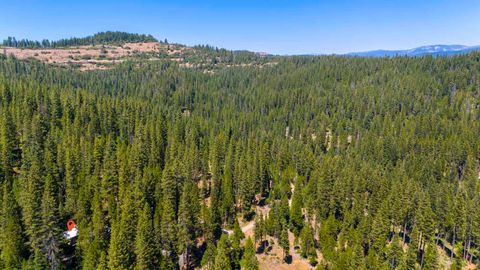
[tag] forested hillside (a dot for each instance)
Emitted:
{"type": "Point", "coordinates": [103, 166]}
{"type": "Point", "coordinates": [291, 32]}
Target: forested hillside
{"type": "Point", "coordinates": [365, 163]}
{"type": "Point", "coordinates": [101, 38]}
{"type": "Point", "coordinates": [105, 50]}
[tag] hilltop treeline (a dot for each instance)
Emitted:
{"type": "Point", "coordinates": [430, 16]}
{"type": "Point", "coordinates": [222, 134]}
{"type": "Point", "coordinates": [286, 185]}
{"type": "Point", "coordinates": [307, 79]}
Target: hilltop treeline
{"type": "Point", "coordinates": [153, 161]}
{"type": "Point", "coordinates": [224, 56]}
{"type": "Point", "coordinates": [109, 37]}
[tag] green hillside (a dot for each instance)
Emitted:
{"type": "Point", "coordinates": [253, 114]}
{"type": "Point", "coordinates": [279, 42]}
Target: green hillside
{"type": "Point", "coordinates": [155, 161]}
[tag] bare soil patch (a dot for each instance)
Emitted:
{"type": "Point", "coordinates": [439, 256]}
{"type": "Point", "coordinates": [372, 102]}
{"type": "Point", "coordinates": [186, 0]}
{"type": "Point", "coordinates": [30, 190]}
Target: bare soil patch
{"type": "Point", "coordinates": [86, 57]}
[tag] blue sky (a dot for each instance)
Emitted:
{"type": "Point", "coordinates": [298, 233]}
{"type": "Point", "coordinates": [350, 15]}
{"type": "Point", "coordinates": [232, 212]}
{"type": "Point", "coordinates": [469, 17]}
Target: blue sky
{"type": "Point", "coordinates": [282, 26]}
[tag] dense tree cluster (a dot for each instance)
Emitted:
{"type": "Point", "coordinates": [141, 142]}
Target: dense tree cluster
{"type": "Point", "coordinates": [374, 163]}
{"type": "Point", "coordinates": [109, 37]}
{"type": "Point", "coordinates": [224, 56]}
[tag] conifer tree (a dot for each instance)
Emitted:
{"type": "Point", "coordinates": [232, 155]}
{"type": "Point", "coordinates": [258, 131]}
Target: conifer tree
{"type": "Point", "coordinates": [395, 253]}
{"type": "Point", "coordinates": [430, 260]}
{"type": "Point", "coordinates": [168, 233]}
{"type": "Point", "coordinates": [121, 253]}
{"type": "Point", "coordinates": [459, 226]}
{"type": "Point", "coordinates": [307, 242]}
{"type": "Point", "coordinates": [187, 220]}
{"type": "Point", "coordinates": [380, 228]}
{"type": "Point", "coordinates": [49, 234]}
{"type": "Point", "coordinates": [235, 241]}
{"type": "Point", "coordinates": [228, 200]}
{"type": "Point", "coordinates": [32, 183]}
{"type": "Point", "coordinates": [208, 259]}
{"type": "Point", "coordinates": [425, 218]}
{"type": "Point", "coordinates": [358, 261]}
{"type": "Point", "coordinates": [71, 179]}
{"type": "Point", "coordinates": [411, 260]}
{"type": "Point", "coordinates": [109, 180]}
{"type": "Point", "coordinates": [8, 145]}
{"type": "Point", "coordinates": [145, 246]}
{"type": "Point", "coordinates": [457, 264]}
{"type": "Point", "coordinates": [96, 242]}
{"type": "Point", "coordinates": [222, 257]}
{"type": "Point", "coordinates": [249, 260]}
{"type": "Point", "coordinates": [259, 230]}
{"type": "Point", "coordinates": [246, 189]}
{"type": "Point", "coordinates": [296, 216]}
{"type": "Point", "coordinates": [11, 235]}
{"type": "Point", "coordinates": [284, 242]}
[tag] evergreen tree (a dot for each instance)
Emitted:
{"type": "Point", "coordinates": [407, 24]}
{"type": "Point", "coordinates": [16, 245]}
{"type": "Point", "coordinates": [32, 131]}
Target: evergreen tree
{"type": "Point", "coordinates": [259, 230]}
{"type": "Point", "coordinates": [395, 253]}
{"type": "Point", "coordinates": [380, 228]}
{"type": "Point", "coordinates": [284, 242]}
{"type": "Point", "coordinates": [32, 183]}
{"type": "Point", "coordinates": [249, 260]}
{"type": "Point", "coordinates": [459, 226]}
{"type": "Point", "coordinates": [208, 259]}
{"type": "Point", "coordinates": [411, 260]}
{"type": "Point", "coordinates": [358, 261]}
{"type": "Point", "coordinates": [457, 264]}
{"type": "Point", "coordinates": [11, 235]}
{"type": "Point", "coordinates": [9, 146]}
{"type": "Point", "coordinates": [109, 180]}
{"type": "Point", "coordinates": [235, 241]}
{"type": "Point", "coordinates": [49, 234]}
{"type": "Point", "coordinates": [296, 217]}
{"type": "Point", "coordinates": [168, 225]}
{"type": "Point", "coordinates": [145, 245]}
{"type": "Point", "coordinates": [222, 257]}
{"type": "Point", "coordinates": [121, 253]}
{"type": "Point", "coordinates": [307, 242]}
{"type": "Point", "coordinates": [228, 200]}
{"type": "Point", "coordinates": [430, 260]}
{"type": "Point", "coordinates": [187, 221]}
{"type": "Point", "coordinates": [246, 188]}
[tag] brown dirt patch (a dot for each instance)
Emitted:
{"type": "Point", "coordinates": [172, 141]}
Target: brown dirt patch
{"type": "Point", "coordinates": [86, 57]}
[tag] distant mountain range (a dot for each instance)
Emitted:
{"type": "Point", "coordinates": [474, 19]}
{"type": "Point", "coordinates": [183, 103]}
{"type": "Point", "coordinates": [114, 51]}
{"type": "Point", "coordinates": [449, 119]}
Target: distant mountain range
{"type": "Point", "coordinates": [435, 50]}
